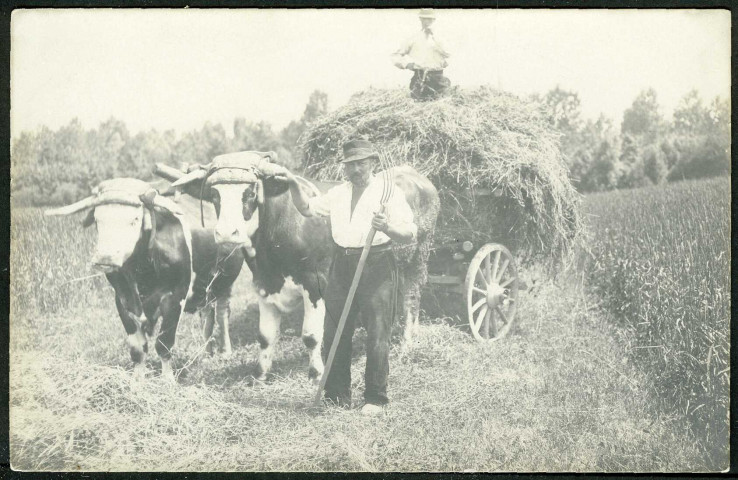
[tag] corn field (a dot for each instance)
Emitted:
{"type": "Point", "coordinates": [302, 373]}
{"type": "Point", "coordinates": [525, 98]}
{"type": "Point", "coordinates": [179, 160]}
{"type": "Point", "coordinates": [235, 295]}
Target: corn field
{"type": "Point", "coordinates": [660, 259]}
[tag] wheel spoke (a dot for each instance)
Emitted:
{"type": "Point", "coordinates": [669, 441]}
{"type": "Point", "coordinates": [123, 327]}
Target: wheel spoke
{"type": "Point", "coordinates": [492, 324]}
{"type": "Point", "coordinates": [479, 290]}
{"type": "Point", "coordinates": [486, 322]}
{"type": "Point", "coordinates": [484, 280]}
{"type": "Point", "coordinates": [496, 263]}
{"type": "Point", "coordinates": [508, 282]}
{"type": "Point", "coordinates": [480, 318]}
{"type": "Point", "coordinates": [487, 270]}
{"type": "Point", "coordinates": [481, 302]}
{"type": "Point", "coordinates": [501, 313]}
{"type": "Point", "coordinates": [502, 270]}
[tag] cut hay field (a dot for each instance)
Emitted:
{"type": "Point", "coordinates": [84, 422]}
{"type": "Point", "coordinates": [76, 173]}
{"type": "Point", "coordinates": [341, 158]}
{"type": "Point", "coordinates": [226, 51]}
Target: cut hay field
{"type": "Point", "coordinates": [560, 393]}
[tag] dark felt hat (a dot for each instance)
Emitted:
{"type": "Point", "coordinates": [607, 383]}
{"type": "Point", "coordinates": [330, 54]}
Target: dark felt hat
{"type": "Point", "coordinates": [354, 150]}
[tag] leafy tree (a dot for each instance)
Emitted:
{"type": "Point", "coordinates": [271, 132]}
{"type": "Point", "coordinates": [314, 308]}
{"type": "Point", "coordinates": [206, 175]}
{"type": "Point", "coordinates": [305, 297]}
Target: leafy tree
{"type": "Point", "coordinates": [605, 169]}
{"type": "Point", "coordinates": [316, 107]}
{"type": "Point", "coordinates": [719, 114]}
{"type": "Point", "coordinates": [632, 160]}
{"type": "Point", "coordinates": [563, 110]}
{"type": "Point", "coordinates": [654, 164]}
{"type": "Point", "coordinates": [671, 152]}
{"type": "Point", "coordinates": [290, 135]}
{"type": "Point", "coordinates": [140, 154]}
{"type": "Point", "coordinates": [691, 116]}
{"type": "Point", "coordinates": [701, 138]}
{"type": "Point", "coordinates": [643, 118]}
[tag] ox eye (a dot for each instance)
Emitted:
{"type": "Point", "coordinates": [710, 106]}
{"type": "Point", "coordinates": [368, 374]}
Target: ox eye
{"type": "Point", "coordinates": [248, 195]}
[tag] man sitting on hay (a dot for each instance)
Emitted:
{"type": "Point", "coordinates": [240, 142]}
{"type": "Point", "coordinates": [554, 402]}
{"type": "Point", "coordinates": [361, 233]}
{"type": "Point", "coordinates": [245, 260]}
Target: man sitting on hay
{"type": "Point", "coordinates": [426, 57]}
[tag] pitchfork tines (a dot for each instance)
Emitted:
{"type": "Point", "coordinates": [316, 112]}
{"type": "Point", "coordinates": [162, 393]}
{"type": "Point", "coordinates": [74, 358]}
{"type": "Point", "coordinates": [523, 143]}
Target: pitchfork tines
{"type": "Point", "coordinates": [388, 184]}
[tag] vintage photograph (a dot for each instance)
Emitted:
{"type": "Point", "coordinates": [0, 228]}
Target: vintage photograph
{"type": "Point", "coordinates": [385, 240]}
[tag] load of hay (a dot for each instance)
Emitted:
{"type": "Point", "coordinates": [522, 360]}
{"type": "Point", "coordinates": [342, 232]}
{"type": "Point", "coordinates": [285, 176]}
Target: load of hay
{"type": "Point", "coordinates": [492, 156]}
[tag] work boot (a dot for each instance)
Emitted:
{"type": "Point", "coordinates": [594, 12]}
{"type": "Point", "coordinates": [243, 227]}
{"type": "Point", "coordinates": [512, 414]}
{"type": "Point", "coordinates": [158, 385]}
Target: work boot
{"type": "Point", "coordinates": [372, 410]}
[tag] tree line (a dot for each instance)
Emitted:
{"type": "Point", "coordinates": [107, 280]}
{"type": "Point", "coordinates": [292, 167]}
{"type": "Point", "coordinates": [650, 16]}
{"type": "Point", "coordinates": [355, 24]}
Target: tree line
{"type": "Point", "coordinates": [53, 167]}
{"type": "Point", "coordinates": [647, 149]}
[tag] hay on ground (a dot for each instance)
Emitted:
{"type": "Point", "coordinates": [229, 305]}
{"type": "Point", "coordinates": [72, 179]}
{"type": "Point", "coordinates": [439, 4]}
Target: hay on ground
{"type": "Point", "coordinates": [492, 156]}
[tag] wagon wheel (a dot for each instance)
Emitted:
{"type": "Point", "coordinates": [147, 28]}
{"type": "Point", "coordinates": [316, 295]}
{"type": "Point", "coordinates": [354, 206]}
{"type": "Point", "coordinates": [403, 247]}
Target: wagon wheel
{"type": "Point", "coordinates": [491, 292]}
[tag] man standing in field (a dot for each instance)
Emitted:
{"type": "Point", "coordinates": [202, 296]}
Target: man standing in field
{"type": "Point", "coordinates": [352, 207]}
{"type": "Point", "coordinates": [426, 57]}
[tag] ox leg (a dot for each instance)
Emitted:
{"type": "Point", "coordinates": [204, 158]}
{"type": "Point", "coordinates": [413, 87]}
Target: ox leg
{"type": "Point", "coordinates": [269, 320]}
{"type": "Point", "coordinates": [171, 309]}
{"type": "Point", "coordinates": [312, 334]}
{"type": "Point", "coordinates": [222, 314]}
{"type": "Point", "coordinates": [207, 315]}
{"type": "Point", "coordinates": [130, 311]}
{"type": "Point", "coordinates": [411, 311]}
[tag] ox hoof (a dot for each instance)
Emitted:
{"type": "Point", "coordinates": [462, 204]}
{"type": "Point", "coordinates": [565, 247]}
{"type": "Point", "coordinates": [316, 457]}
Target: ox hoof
{"type": "Point", "coordinates": [227, 353]}
{"type": "Point", "coordinates": [167, 374]}
{"type": "Point", "coordinates": [314, 375]}
{"type": "Point", "coordinates": [139, 371]}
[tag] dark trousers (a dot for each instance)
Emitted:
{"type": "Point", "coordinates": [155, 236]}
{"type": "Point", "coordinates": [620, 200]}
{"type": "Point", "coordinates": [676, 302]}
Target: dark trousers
{"type": "Point", "coordinates": [426, 85]}
{"type": "Point", "coordinates": [374, 303]}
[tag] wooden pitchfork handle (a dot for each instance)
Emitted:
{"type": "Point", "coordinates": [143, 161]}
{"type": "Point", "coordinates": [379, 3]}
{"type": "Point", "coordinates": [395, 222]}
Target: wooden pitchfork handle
{"type": "Point", "coordinates": [346, 308]}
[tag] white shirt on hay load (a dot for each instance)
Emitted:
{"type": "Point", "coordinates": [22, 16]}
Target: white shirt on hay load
{"type": "Point", "coordinates": [423, 50]}
{"type": "Point", "coordinates": [350, 230]}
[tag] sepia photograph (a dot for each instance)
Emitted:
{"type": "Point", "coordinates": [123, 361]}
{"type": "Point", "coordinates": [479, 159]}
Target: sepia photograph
{"type": "Point", "coordinates": [370, 240]}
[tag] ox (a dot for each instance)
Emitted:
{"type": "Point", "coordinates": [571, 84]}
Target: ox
{"type": "Point", "coordinates": [289, 254]}
{"type": "Point", "coordinates": [157, 265]}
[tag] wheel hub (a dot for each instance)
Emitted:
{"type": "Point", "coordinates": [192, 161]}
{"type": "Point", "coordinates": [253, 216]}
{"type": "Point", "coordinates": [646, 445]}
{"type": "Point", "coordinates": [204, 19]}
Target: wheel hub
{"type": "Point", "coordinates": [495, 295]}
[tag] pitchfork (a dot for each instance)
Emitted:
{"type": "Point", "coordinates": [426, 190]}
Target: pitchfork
{"type": "Point", "coordinates": [388, 188]}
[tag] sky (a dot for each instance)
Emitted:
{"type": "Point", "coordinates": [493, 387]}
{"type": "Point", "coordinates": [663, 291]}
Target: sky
{"type": "Point", "coordinates": [177, 69]}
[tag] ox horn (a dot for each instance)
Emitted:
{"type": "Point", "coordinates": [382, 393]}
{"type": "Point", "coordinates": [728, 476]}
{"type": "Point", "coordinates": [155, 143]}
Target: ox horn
{"type": "Point", "coordinates": [167, 204]}
{"type": "Point", "coordinates": [194, 175]}
{"type": "Point", "coordinates": [73, 208]}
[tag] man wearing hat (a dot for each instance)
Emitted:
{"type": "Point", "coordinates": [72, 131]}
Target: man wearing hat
{"type": "Point", "coordinates": [425, 55]}
{"type": "Point", "coordinates": [353, 208]}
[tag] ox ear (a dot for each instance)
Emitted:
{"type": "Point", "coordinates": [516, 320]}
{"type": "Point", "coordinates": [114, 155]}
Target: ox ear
{"type": "Point", "coordinates": [89, 218]}
{"type": "Point", "coordinates": [147, 219]}
{"type": "Point", "coordinates": [270, 156]}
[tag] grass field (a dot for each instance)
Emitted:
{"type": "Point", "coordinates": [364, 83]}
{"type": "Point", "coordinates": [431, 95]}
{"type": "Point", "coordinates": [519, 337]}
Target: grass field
{"type": "Point", "coordinates": [560, 393]}
{"type": "Point", "coordinates": [659, 258]}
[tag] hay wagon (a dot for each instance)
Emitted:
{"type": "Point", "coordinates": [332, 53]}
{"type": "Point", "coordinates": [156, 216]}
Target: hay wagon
{"type": "Point", "coordinates": [503, 183]}
{"type": "Point", "coordinates": [484, 273]}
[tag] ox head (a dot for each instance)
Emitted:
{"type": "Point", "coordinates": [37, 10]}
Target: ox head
{"type": "Point", "coordinates": [121, 209]}
{"type": "Point", "coordinates": [233, 182]}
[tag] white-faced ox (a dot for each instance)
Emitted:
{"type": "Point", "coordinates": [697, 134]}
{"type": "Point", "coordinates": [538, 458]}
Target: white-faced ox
{"type": "Point", "coordinates": [158, 265]}
{"type": "Point", "coordinates": [290, 255]}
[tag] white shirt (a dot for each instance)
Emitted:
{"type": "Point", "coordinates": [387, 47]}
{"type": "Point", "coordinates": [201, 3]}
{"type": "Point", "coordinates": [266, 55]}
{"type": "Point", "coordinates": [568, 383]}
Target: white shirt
{"type": "Point", "coordinates": [424, 51]}
{"type": "Point", "coordinates": [350, 230]}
